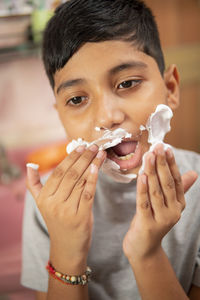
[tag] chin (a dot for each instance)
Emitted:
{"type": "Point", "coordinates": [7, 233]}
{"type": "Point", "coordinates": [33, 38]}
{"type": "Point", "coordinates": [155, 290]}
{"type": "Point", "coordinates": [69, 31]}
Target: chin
{"type": "Point", "coordinates": [132, 171]}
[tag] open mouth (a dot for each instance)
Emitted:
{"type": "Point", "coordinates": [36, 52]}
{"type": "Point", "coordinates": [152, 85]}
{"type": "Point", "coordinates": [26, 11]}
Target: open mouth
{"type": "Point", "coordinates": [126, 154]}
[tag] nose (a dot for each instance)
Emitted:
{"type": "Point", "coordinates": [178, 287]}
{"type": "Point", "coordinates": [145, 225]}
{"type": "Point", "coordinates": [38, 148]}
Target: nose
{"type": "Point", "coordinates": [109, 114]}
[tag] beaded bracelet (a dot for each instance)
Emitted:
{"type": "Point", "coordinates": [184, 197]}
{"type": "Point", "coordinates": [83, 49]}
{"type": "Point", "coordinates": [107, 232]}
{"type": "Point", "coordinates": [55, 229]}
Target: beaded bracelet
{"type": "Point", "coordinates": [69, 279]}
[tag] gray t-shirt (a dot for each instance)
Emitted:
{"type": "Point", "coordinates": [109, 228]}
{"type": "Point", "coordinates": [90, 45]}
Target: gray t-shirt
{"type": "Point", "coordinates": [114, 208]}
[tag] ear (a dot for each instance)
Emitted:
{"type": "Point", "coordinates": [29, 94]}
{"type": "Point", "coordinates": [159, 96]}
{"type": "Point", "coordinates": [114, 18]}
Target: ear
{"type": "Point", "coordinates": [55, 106]}
{"type": "Point", "coordinates": [171, 78]}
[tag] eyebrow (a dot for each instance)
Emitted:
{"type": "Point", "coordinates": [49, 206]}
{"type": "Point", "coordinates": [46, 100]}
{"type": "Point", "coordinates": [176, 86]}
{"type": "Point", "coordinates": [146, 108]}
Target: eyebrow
{"type": "Point", "coordinates": [70, 83]}
{"type": "Point", "coordinates": [128, 65]}
{"type": "Point", "coordinates": [112, 72]}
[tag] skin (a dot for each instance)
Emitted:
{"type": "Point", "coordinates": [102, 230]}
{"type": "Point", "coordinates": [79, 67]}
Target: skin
{"type": "Point", "coordinates": [108, 104]}
{"type": "Point", "coordinates": [112, 97]}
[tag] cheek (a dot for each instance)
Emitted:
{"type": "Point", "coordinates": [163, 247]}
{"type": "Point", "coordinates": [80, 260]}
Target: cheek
{"type": "Point", "coordinates": [76, 127]}
{"type": "Point", "coordinates": [155, 90]}
{"type": "Point", "coordinates": [141, 108]}
{"type": "Point", "coordinates": [140, 112]}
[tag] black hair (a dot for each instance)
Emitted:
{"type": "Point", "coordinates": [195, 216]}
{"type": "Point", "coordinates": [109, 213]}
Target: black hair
{"type": "Point", "coordinates": [77, 22]}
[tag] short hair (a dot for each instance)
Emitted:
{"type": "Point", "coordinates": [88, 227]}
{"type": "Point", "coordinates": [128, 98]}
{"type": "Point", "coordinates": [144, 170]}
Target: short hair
{"type": "Point", "coordinates": [77, 22]}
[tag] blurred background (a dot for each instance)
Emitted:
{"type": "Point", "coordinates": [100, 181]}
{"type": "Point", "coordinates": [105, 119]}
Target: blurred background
{"type": "Point", "coordinates": [29, 127]}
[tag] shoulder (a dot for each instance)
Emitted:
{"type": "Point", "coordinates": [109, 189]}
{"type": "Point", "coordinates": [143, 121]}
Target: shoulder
{"type": "Point", "coordinates": [187, 160]}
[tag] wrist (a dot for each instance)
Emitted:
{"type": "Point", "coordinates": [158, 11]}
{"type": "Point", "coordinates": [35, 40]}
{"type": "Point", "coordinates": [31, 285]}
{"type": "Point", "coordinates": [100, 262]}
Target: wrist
{"type": "Point", "coordinates": [69, 279]}
{"type": "Point", "coordinates": [148, 257]}
{"type": "Point", "coordinates": [65, 264]}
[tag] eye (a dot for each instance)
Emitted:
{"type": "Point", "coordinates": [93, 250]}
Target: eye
{"type": "Point", "coordinates": [129, 83]}
{"type": "Point", "coordinates": [76, 101]}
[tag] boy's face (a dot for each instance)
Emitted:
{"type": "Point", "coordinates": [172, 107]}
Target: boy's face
{"type": "Point", "coordinates": [113, 85]}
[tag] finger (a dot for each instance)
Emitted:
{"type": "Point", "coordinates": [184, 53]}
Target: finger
{"type": "Point", "coordinates": [88, 193]}
{"type": "Point", "coordinates": [73, 175]}
{"type": "Point", "coordinates": [177, 177]}
{"type": "Point", "coordinates": [143, 205]}
{"type": "Point", "coordinates": [33, 180]}
{"type": "Point", "coordinates": [155, 192]}
{"type": "Point", "coordinates": [59, 172]}
{"type": "Point", "coordinates": [166, 179]}
{"type": "Point", "coordinates": [188, 179]}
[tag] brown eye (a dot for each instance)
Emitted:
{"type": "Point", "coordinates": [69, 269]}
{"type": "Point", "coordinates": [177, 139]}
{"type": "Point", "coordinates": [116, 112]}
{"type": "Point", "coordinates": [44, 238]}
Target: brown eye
{"type": "Point", "coordinates": [76, 101]}
{"type": "Point", "coordinates": [128, 84]}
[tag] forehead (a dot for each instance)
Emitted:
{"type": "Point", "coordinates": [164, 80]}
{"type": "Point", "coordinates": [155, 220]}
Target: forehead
{"type": "Point", "coordinates": [94, 59]}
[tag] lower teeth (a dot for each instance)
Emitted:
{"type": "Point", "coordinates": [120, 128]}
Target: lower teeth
{"type": "Point", "coordinates": [125, 157]}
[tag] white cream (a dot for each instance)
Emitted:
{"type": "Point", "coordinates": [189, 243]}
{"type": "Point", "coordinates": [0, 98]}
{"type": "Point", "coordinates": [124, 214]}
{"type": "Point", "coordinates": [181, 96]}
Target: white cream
{"type": "Point", "coordinates": [157, 125]}
{"type": "Point", "coordinates": [109, 139]}
{"type": "Point", "coordinates": [33, 166]}
{"type": "Point", "coordinates": [112, 169]}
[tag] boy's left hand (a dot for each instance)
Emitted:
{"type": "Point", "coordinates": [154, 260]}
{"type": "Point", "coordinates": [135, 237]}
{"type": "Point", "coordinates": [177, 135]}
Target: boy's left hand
{"type": "Point", "coordinates": [160, 201]}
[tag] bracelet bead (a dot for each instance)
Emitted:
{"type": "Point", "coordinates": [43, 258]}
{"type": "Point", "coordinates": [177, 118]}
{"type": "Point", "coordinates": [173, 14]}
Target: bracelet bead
{"type": "Point", "coordinates": [69, 279]}
{"type": "Point", "coordinates": [58, 274]}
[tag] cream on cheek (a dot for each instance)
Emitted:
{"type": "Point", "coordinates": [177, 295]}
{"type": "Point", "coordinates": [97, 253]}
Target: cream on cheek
{"type": "Point", "coordinates": [157, 126]}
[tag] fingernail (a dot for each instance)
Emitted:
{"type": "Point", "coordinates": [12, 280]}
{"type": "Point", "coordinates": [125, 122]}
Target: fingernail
{"type": "Point", "coordinates": [100, 154]}
{"type": "Point", "coordinates": [93, 169]}
{"type": "Point", "coordinates": [33, 166]}
{"type": "Point", "coordinates": [80, 148]}
{"type": "Point", "coordinates": [93, 148]}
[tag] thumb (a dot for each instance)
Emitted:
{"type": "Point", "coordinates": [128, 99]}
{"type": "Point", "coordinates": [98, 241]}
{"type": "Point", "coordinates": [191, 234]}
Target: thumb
{"type": "Point", "coordinates": [33, 179]}
{"type": "Point", "coordinates": [188, 179]}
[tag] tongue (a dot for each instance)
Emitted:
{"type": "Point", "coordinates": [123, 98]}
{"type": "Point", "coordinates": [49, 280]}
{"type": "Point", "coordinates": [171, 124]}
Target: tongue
{"type": "Point", "coordinates": [124, 148]}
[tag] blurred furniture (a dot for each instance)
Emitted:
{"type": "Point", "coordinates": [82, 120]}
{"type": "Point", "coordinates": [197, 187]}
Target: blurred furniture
{"type": "Point", "coordinates": [13, 30]}
{"type": "Point", "coordinates": [12, 196]}
{"type": "Point", "coordinates": [11, 212]}
{"type": "Point", "coordinates": [15, 37]}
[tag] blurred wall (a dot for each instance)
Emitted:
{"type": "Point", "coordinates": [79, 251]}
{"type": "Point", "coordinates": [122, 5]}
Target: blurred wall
{"type": "Point", "coordinates": [179, 24]}
{"type": "Point", "coordinates": [27, 115]}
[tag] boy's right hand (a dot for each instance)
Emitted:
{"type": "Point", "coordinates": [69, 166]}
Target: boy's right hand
{"type": "Point", "coordinates": [65, 202]}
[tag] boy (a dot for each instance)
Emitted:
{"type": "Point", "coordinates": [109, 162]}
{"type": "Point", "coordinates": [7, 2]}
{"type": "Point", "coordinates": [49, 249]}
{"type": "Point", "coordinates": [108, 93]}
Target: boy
{"type": "Point", "coordinates": [106, 67]}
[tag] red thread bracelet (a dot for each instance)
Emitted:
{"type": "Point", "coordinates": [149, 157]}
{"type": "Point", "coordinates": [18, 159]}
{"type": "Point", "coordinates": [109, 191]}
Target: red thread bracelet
{"type": "Point", "coordinates": [69, 279]}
